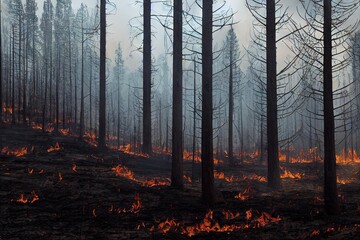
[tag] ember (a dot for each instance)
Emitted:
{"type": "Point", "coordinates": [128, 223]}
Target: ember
{"type": "Point", "coordinates": [31, 199]}
{"type": "Point", "coordinates": [136, 206]}
{"type": "Point", "coordinates": [123, 172]}
{"type": "Point", "coordinates": [245, 194]}
{"type": "Point", "coordinates": [73, 168]}
{"type": "Point", "coordinates": [16, 152]}
{"type": "Point", "coordinates": [55, 148]}
{"type": "Point", "coordinates": [287, 174]}
{"type": "Point", "coordinates": [60, 177]}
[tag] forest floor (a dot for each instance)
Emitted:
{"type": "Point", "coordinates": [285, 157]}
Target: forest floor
{"type": "Point", "coordinates": [77, 192]}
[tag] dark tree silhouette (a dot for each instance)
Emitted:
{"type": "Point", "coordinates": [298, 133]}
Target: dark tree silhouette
{"type": "Point", "coordinates": [102, 102]}
{"type": "Point", "coordinates": [330, 188]}
{"type": "Point", "coordinates": [1, 67]}
{"type": "Point", "coordinates": [207, 161]}
{"type": "Point", "coordinates": [272, 125]}
{"type": "Point", "coordinates": [177, 124]}
{"type": "Point", "coordinates": [147, 147]}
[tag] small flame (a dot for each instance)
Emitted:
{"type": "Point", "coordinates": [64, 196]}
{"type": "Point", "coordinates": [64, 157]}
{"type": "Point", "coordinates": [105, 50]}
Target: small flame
{"type": "Point", "coordinates": [34, 197]}
{"type": "Point", "coordinates": [245, 194]}
{"type": "Point", "coordinates": [123, 172]}
{"type": "Point", "coordinates": [315, 232]}
{"type": "Point", "coordinates": [16, 152]}
{"type": "Point", "coordinates": [55, 148]}
{"type": "Point", "coordinates": [60, 177]}
{"type": "Point", "coordinates": [64, 132]}
{"type": "Point", "coordinates": [74, 167]}
{"type": "Point", "coordinates": [136, 206]}
{"type": "Point", "coordinates": [94, 212]}
{"type": "Point", "coordinates": [30, 171]}
{"type": "Point", "coordinates": [287, 174]}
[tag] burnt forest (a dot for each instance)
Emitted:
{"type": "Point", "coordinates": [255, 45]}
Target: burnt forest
{"type": "Point", "coordinates": [179, 119]}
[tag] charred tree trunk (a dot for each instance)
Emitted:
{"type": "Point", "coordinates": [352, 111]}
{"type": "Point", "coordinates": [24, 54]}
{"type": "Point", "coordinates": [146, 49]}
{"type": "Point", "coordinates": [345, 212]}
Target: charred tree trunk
{"type": "Point", "coordinates": [147, 148]}
{"type": "Point", "coordinates": [102, 100]}
{"type": "Point", "coordinates": [177, 119]}
{"type": "Point", "coordinates": [272, 126]}
{"type": "Point", "coordinates": [207, 161]}
{"type": "Point", "coordinates": [194, 128]}
{"type": "Point", "coordinates": [231, 109]}
{"type": "Point", "coordinates": [330, 187]}
{"type": "Point", "coordinates": [13, 119]}
{"type": "Point", "coordinates": [1, 69]}
{"type": "Point", "coordinates": [81, 130]}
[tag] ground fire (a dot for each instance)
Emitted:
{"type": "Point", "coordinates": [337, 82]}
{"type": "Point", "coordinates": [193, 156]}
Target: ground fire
{"type": "Point", "coordinates": [226, 119]}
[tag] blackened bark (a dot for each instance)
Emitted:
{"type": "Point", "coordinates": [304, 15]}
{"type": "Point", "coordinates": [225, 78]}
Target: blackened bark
{"type": "Point", "coordinates": [231, 104]}
{"type": "Point", "coordinates": [1, 68]}
{"type": "Point", "coordinates": [330, 187]}
{"type": "Point", "coordinates": [102, 106]}
{"type": "Point", "coordinates": [177, 120]}
{"type": "Point", "coordinates": [272, 126]}
{"type": "Point", "coordinates": [207, 161]}
{"type": "Point", "coordinates": [81, 127]}
{"type": "Point", "coordinates": [147, 148]}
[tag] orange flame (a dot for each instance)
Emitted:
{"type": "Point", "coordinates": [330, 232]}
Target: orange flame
{"type": "Point", "coordinates": [64, 132]}
{"type": "Point", "coordinates": [245, 194]}
{"type": "Point", "coordinates": [56, 148]}
{"type": "Point", "coordinates": [123, 172]}
{"type": "Point", "coordinates": [16, 152]}
{"type": "Point", "coordinates": [60, 177]}
{"type": "Point", "coordinates": [30, 171]}
{"type": "Point", "coordinates": [74, 167]}
{"type": "Point", "coordinates": [136, 206]}
{"type": "Point", "coordinates": [22, 199]}
{"type": "Point", "coordinates": [287, 174]}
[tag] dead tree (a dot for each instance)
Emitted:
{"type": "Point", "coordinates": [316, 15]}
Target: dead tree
{"type": "Point", "coordinates": [177, 118]}
{"type": "Point", "coordinates": [102, 100]}
{"type": "Point", "coordinates": [147, 146]}
{"type": "Point", "coordinates": [207, 160]}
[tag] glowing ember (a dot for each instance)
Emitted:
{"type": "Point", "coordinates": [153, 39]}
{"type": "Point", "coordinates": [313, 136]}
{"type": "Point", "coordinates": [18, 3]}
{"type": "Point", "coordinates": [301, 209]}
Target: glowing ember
{"type": "Point", "coordinates": [74, 167]}
{"type": "Point", "coordinates": [33, 198]}
{"type": "Point", "coordinates": [60, 177]}
{"type": "Point", "coordinates": [209, 224]}
{"type": "Point", "coordinates": [22, 199]}
{"type": "Point", "coordinates": [90, 138]}
{"type": "Point", "coordinates": [249, 214]}
{"type": "Point", "coordinates": [230, 215]}
{"type": "Point", "coordinates": [136, 206]}
{"type": "Point", "coordinates": [221, 175]}
{"type": "Point", "coordinates": [30, 171]}
{"type": "Point", "coordinates": [16, 152]}
{"type": "Point", "coordinates": [156, 182]}
{"type": "Point", "coordinates": [265, 218]}
{"type": "Point", "coordinates": [287, 174]}
{"type": "Point", "coordinates": [188, 179]}
{"type": "Point", "coordinates": [315, 233]}
{"type": "Point", "coordinates": [255, 177]}
{"type": "Point", "coordinates": [166, 226]}
{"type": "Point", "coordinates": [245, 194]}
{"type": "Point", "coordinates": [127, 149]}
{"type": "Point", "coordinates": [123, 172]}
{"type": "Point", "coordinates": [64, 132]}
{"type": "Point", "coordinates": [55, 148]}
{"type": "Point", "coordinates": [345, 181]}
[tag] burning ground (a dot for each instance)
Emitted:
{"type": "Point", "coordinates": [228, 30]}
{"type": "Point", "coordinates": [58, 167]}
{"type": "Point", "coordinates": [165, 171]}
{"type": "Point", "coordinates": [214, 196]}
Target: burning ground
{"type": "Point", "coordinates": [57, 188]}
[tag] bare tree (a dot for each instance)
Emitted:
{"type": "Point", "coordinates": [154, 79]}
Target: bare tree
{"type": "Point", "coordinates": [207, 161]}
{"type": "Point", "coordinates": [177, 125]}
{"type": "Point", "coordinates": [147, 146]}
{"type": "Point", "coordinates": [102, 102]}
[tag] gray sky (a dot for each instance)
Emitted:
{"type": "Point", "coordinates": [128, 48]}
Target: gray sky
{"type": "Point", "coordinates": [119, 30]}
